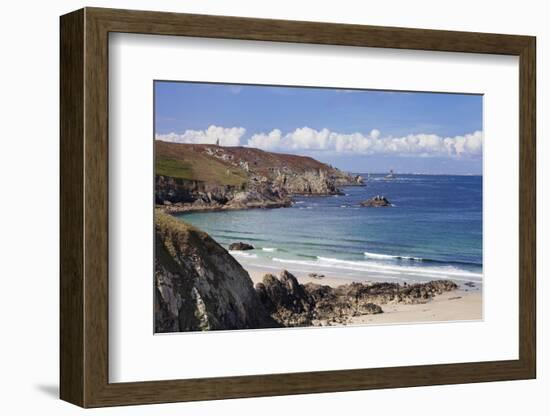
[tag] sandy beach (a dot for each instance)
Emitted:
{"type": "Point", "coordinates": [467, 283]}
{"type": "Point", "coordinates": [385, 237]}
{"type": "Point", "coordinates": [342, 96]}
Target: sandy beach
{"type": "Point", "coordinates": [464, 304]}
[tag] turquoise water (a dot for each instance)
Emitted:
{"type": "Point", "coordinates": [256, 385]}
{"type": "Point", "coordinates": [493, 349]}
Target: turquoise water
{"type": "Point", "coordinates": [433, 231]}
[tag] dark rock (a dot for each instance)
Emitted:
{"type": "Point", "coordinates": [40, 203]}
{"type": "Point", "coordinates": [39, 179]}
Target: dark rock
{"type": "Point", "coordinates": [376, 202]}
{"type": "Point", "coordinates": [240, 246]}
{"type": "Point", "coordinates": [372, 308]}
{"type": "Point", "coordinates": [293, 304]}
{"type": "Point", "coordinates": [283, 293]}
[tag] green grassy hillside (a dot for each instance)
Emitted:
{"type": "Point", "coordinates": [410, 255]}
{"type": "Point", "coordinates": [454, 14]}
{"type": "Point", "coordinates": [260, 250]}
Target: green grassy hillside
{"type": "Point", "coordinates": [228, 165]}
{"type": "Point", "coordinates": [198, 167]}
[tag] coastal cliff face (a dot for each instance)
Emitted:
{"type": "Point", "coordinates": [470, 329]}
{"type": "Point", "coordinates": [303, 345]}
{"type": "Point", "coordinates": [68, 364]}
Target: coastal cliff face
{"type": "Point", "coordinates": [310, 182]}
{"type": "Point", "coordinates": [208, 177]}
{"type": "Point", "coordinates": [199, 285]}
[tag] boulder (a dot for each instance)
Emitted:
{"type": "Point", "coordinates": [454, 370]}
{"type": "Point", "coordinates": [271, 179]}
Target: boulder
{"type": "Point", "coordinates": [240, 246]}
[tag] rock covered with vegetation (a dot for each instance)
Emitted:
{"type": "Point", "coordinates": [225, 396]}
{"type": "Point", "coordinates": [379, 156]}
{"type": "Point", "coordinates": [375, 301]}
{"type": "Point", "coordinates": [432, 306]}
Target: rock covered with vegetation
{"type": "Point", "coordinates": [199, 285]}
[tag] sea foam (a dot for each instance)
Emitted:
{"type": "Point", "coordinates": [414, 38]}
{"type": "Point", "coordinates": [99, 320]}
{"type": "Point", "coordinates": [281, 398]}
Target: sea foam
{"type": "Point", "coordinates": [390, 257]}
{"type": "Point", "coordinates": [237, 253]}
{"type": "Point", "coordinates": [397, 271]}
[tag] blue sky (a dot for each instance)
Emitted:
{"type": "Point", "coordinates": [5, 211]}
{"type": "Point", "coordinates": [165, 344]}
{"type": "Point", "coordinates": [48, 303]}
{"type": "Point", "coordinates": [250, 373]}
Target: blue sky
{"type": "Point", "coordinates": [356, 130]}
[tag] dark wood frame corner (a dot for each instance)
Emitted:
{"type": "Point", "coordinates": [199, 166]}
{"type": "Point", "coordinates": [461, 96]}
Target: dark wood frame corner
{"type": "Point", "coordinates": [84, 207]}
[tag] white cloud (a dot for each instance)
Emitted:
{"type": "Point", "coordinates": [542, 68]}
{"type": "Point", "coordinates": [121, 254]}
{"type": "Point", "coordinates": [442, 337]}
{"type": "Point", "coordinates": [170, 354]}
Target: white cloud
{"type": "Point", "coordinates": [227, 136]}
{"type": "Point", "coordinates": [306, 138]}
{"type": "Point", "coordinates": [269, 141]}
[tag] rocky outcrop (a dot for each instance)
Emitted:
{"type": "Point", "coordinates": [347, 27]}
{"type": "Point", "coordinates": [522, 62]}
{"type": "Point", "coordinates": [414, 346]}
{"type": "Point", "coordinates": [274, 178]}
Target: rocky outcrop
{"type": "Point", "coordinates": [377, 202]}
{"type": "Point", "coordinates": [240, 246]}
{"type": "Point", "coordinates": [176, 192]}
{"type": "Point", "coordinates": [348, 179]}
{"type": "Point", "coordinates": [169, 190]}
{"type": "Point", "coordinates": [207, 178]}
{"type": "Point", "coordinates": [293, 304]}
{"type": "Point", "coordinates": [199, 285]}
{"type": "Point", "coordinates": [311, 182]}
{"type": "Point", "coordinates": [385, 292]}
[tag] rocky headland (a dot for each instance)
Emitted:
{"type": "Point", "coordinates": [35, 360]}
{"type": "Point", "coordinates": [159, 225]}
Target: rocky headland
{"type": "Point", "coordinates": [199, 286]}
{"type": "Point", "coordinates": [200, 177]}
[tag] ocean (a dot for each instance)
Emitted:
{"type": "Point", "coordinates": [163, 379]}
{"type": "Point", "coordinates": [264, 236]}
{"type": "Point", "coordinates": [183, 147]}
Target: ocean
{"type": "Point", "coordinates": [433, 231]}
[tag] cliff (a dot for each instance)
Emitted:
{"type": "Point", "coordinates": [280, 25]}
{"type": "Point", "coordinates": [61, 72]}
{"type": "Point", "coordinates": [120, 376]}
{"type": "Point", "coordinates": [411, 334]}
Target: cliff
{"type": "Point", "coordinates": [208, 177]}
{"type": "Point", "coordinates": [199, 285]}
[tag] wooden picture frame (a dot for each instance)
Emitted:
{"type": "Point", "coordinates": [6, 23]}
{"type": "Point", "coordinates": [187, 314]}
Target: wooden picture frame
{"type": "Point", "coordinates": [84, 207]}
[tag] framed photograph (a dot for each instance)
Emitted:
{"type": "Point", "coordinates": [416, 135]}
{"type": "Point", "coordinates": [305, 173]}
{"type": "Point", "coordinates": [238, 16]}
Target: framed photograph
{"type": "Point", "coordinates": [256, 207]}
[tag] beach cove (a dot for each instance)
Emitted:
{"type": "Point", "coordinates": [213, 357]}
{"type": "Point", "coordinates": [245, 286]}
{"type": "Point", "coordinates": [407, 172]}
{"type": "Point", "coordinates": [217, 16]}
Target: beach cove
{"type": "Point", "coordinates": [431, 232]}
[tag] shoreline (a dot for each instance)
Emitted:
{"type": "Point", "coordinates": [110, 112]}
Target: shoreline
{"type": "Point", "coordinates": [462, 304]}
{"type": "Point", "coordinates": [334, 276]}
{"type": "Point", "coordinates": [191, 207]}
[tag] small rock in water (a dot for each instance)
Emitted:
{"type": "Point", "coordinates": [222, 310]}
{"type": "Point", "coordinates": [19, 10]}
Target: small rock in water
{"type": "Point", "coordinates": [470, 284]}
{"type": "Point", "coordinates": [240, 246]}
{"type": "Point", "coordinates": [376, 202]}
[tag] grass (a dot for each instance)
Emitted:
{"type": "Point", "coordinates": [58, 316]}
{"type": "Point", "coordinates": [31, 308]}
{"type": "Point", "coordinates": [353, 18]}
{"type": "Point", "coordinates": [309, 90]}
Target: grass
{"type": "Point", "coordinates": [201, 168]}
{"type": "Point", "coordinates": [173, 168]}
